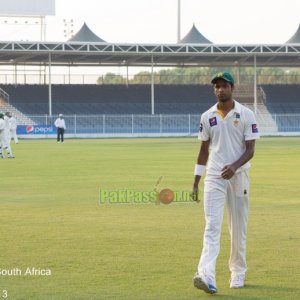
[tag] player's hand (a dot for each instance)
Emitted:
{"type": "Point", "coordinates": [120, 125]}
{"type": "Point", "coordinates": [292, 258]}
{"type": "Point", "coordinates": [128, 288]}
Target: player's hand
{"type": "Point", "coordinates": [195, 194]}
{"type": "Point", "coordinates": [228, 172]}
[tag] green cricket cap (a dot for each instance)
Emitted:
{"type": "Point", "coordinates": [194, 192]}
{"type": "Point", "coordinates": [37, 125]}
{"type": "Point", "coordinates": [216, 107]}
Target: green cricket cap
{"type": "Point", "coordinates": [223, 75]}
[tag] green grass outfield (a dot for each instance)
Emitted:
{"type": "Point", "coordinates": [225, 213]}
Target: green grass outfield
{"type": "Point", "coordinates": [50, 218]}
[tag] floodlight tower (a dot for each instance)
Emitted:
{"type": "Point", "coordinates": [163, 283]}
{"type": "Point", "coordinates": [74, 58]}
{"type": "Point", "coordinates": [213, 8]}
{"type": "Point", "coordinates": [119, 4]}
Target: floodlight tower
{"type": "Point", "coordinates": [68, 28]}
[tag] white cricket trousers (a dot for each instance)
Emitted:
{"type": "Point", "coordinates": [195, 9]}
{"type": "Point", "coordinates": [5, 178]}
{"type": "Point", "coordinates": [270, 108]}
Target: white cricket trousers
{"type": "Point", "coordinates": [235, 192]}
{"type": "Point", "coordinates": [5, 142]}
{"type": "Point", "coordinates": [13, 134]}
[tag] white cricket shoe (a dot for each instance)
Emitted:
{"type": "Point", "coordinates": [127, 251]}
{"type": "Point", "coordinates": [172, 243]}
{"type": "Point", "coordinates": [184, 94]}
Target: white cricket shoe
{"type": "Point", "coordinates": [237, 281]}
{"type": "Point", "coordinates": [202, 283]}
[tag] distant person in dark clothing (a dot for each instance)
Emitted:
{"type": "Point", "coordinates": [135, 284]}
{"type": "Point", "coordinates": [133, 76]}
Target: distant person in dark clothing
{"type": "Point", "coordinates": [61, 127]}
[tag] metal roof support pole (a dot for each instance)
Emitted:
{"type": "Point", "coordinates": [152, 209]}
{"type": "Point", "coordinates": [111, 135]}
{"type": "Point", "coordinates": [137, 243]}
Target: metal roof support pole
{"type": "Point", "coordinates": [127, 80]}
{"type": "Point", "coordinates": [152, 87]}
{"type": "Point", "coordinates": [43, 28]}
{"type": "Point", "coordinates": [178, 21]}
{"type": "Point", "coordinates": [255, 86]}
{"type": "Point", "coordinates": [69, 72]}
{"type": "Point", "coordinates": [16, 75]}
{"type": "Point", "coordinates": [50, 87]}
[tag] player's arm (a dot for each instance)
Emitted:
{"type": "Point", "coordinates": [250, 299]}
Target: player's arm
{"type": "Point", "coordinates": [229, 170]}
{"type": "Point", "coordinates": [201, 161]}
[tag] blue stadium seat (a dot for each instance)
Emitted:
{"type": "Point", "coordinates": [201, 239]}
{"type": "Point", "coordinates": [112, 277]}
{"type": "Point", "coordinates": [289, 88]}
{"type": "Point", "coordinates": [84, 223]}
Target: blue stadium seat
{"type": "Point", "coordinates": [111, 99]}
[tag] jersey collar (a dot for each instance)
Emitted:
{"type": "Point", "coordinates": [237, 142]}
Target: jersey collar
{"type": "Point", "coordinates": [236, 109]}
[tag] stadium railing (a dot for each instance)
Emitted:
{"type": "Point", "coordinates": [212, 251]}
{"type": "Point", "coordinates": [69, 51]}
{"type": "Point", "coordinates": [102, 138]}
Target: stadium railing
{"type": "Point", "coordinates": [159, 125]}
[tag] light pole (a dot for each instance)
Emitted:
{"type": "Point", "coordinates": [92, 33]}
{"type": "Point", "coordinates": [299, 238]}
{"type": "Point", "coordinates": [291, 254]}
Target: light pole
{"type": "Point", "coordinates": [178, 21]}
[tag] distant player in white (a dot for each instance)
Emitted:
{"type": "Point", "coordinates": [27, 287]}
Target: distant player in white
{"type": "Point", "coordinates": [228, 132]}
{"type": "Point", "coordinates": [12, 127]}
{"type": "Point", "coordinates": [61, 127]}
{"type": "Point", "coordinates": [5, 136]}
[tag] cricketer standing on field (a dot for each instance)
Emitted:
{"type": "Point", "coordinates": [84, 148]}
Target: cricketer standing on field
{"type": "Point", "coordinates": [227, 132]}
{"type": "Point", "coordinates": [13, 127]}
{"type": "Point", "coordinates": [5, 137]}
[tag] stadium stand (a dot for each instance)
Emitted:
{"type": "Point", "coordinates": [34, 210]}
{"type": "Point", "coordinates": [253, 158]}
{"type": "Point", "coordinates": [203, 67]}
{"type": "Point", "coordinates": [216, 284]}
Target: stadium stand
{"type": "Point", "coordinates": [282, 98]}
{"type": "Point", "coordinates": [283, 101]}
{"type": "Point", "coordinates": [117, 101]}
{"type": "Point", "coordinates": [6, 107]}
{"type": "Point", "coordinates": [111, 99]}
